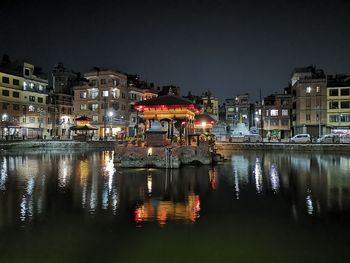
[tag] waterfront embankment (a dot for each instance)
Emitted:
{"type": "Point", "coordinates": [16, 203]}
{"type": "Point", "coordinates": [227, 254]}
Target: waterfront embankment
{"type": "Point", "coordinates": [283, 147]}
{"type": "Point", "coordinates": [15, 146]}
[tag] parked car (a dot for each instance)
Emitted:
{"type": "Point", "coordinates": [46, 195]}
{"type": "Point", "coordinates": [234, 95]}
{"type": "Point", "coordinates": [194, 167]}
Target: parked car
{"type": "Point", "coordinates": [252, 138]}
{"type": "Point", "coordinates": [329, 138]}
{"type": "Point", "coordinates": [301, 138]}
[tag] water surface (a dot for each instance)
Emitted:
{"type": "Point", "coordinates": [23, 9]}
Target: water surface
{"type": "Point", "coordinates": [256, 207]}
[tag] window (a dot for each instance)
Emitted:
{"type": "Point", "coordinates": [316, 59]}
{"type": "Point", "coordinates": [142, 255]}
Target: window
{"type": "Point", "coordinates": [333, 105]}
{"type": "Point", "coordinates": [31, 98]}
{"type": "Point", "coordinates": [5, 92]}
{"type": "Point", "coordinates": [41, 88]}
{"type": "Point", "coordinates": [123, 95]}
{"type": "Point", "coordinates": [284, 112]}
{"type": "Point", "coordinates": [274, 112]}
{"type": "Point", "coordinates": [105, 93]}
{"type": "Point", "coordinates": [103, 81]}
{"type": "Point", "coordinates": [230, 109]}
{"type": "Point", "coordinates": [116, 93]}
{"type": "Point", "coordinates": [93, 82]}
{"type": "Point", "coordinates": [333, 92]}
{"type": "Point", "coordinates": [31, 119]}
{"type": "Point", "coordinates": [15, 107]}
{"type": "Point", "coordinates": [94, 107]}
{"type": "Point", "coordinates": [308, 103]}
{"type": "Point", "coordinates": [40, 100]}
{"type": "Point", "coordinates": [31, 108]}
{"type": "Point", "coordinates": [116, 82]}
{"type": "Point", "coordinates": [95, 118]}
{"type": "Point", "coordinates": [123, 107]}
{"type": "Point", "coordinates": [15, 82]}
{"type": "Point", "coordinates": [26, 71]}
{"type": "Point", "coordinates": [308, 117]}
{"type": "Point", "coordinates": [15, 118]}
{"type": "Point", "coordinates": [15, 94]}
{"type": "Point", "coordinates": [83, 95]}
{"type": "Point", "coordinates": [318, 90]}
{"type": "Point", "coordinates": [345, 92]}
{"type": "Point", "coordinates": [284, 122]}
{"type": "Point", "coordinates": [40, 120]}
{"type": "Point", "coordinates": [93, 94]}
{"type": "Point", "coordinates": [308, 89]}
{"type": "Point", "coordinates": [345, 104]}
{"type": "Point", "coordinates": [267, 112]}
{"type": "Point", "coordinates": [5, 80]}
{"type": "Point", "coordinates": [25, 85]}
{"type": "Point", "coordinates": [5, 106]}
{"type": "Point", "coordinates": [83, 106]}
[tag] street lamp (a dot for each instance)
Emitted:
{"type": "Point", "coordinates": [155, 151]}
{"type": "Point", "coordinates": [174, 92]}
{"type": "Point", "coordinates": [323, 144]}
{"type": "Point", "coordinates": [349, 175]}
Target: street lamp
{"type": "Point", "coordinates": [110, 114]}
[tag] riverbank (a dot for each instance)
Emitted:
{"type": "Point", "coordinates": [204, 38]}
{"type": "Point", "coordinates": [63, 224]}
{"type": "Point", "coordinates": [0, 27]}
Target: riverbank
{"type": "Point", "coordinates": [283, 147]}
{"type": "Point", "coordinates": [9, 146]}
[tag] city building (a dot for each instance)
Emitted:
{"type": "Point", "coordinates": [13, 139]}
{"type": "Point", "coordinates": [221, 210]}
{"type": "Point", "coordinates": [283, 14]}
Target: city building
{"type": "Point", "coordinates": [105, 100]}
{"type": "Point", "coordinates": [60, 107]}
{"type": "Point", "coordinates": [338, 104]}
{"type": "Point", "coordinates": [239, 110]}
{"type": "Point", "coordinates": [210, 105]}
{"type": "Point", "coordinates": [23, 98]}
{"type": "Point", "coordinates": [309, 91]}
{"type": "Point", "coordinates": [276, 116]}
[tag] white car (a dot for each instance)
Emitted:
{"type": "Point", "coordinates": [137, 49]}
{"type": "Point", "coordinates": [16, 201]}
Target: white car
{"type": "Point", "coordinates": [301, 138]}
{"type": "Point", "coordinates": [329, 138]}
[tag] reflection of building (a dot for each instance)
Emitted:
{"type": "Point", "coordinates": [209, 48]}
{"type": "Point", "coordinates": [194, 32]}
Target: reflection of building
{"type": "Point", "coordinates": [105, 100]}
{"type": "Point", "coordinates": [168, 210]}
{"type": "Point", "coordinates": [338, 104]}
{"type": "Point", "coordinates": [23, 96]}
{"type": "Point", "coordinates": [309, 87]}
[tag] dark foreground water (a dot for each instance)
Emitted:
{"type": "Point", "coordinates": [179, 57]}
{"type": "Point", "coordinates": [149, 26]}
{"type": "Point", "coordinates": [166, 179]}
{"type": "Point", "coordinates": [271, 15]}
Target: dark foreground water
{"type": "Point", "coordinates": [76, 207]}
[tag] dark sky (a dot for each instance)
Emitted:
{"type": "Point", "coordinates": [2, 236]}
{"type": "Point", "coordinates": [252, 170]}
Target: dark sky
{"type": "Point", "coordinates": [227, 47]}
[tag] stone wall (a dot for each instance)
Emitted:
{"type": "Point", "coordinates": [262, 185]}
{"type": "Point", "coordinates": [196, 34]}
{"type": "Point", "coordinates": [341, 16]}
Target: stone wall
{"type": "Point", "coordinates": [311, 147]}
{"type": "Point", "coordinates": [133, 156]}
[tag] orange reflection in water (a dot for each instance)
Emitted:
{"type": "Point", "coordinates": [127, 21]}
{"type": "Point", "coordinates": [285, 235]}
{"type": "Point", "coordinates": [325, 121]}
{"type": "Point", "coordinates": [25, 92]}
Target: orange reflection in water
{"type": "Point", "coordinates": [163, 211]}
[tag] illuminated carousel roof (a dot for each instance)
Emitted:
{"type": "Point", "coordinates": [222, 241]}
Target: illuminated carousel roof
{"type": "Point", "coordinates": [165, 101]}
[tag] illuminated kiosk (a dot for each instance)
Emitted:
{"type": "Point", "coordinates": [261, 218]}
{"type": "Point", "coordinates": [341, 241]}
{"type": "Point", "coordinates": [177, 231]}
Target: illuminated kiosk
{"type": "Point", "coordinates": [164, 116]}
{"type": "Point", "coordinates": [83, 130]}
{"type": "Point", "coordinates": [172, 111]}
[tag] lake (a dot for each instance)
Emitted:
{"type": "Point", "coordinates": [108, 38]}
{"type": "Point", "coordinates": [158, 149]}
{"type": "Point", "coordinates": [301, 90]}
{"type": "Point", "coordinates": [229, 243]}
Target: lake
{"type": "Point", "coordinates": [255, 207]}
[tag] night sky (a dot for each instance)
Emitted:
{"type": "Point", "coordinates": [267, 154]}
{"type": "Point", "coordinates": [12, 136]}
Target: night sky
{"type": "Point", "coordinates": [227, 47]}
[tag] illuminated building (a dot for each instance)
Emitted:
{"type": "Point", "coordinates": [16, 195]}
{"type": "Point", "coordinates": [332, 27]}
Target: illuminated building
{"type": "Point", "coordinates": [309, 88]}
{"type": "Point", "coordinates": [105, 100]}
{"type": "Point", "coordinates": [23, 98]}
{"type": "Point", "coordinates": [338, 104]}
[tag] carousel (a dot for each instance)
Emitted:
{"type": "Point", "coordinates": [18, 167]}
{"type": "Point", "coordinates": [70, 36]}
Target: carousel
{"type": "Point", "coordinates": [175, 114]}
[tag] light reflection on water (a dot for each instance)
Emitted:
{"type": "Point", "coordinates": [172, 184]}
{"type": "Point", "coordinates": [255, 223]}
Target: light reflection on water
{"type": "Point", "coordinates": [90, 184]}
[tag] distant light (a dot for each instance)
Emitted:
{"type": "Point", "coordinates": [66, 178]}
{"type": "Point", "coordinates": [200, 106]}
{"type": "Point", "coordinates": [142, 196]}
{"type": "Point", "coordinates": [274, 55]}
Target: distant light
{"type": "Point", "coordinates": [204, 124]}
{"type": "Point", "coordinates": [110, 113]}
{"type": "Point", "coordinates": [149, 151]}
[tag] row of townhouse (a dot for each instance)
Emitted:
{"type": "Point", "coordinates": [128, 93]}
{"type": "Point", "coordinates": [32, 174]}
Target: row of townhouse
{"type": "Point", "coordinates": [29, 108]}
{"type": "Point", "coordinates": [313, 103]}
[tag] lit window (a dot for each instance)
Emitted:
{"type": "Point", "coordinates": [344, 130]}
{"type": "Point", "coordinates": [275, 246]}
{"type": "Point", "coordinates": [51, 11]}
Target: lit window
{"type": "Point", "coordinates": [83, 95]}
{"type": "Point", "coordinates": [318, 89]}
{"type": "Point", "coordinates": [94, 107]}
{"type": "Point", "coordinates": [83, 106]}
{"type": "Point", "coordinates": [284, 112]}
{"type": "Point", "coordinates": [105, 93]}
{"type": "Point", "coordinates": [274, 112]}
{"type": "Point", "coordinates": [31, 108]}
{"type": "Point", "coordinates": [95, 118]}
{"type": "Point", "coordinates": [40, 87]}
{"type": "Point", "coordinates": [308, 89]}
